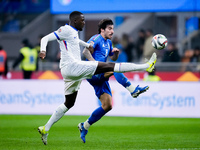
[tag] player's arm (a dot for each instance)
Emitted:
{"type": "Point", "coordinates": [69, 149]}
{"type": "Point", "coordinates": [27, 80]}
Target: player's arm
{"type": "Point", "coordinates": [115, 55]}
{"type": "Point", "coordinates": [87, 52]}
{"type": "Point", "coordinates": [84, 43]}
{"type": "Point", "coordinates": [43, 44]}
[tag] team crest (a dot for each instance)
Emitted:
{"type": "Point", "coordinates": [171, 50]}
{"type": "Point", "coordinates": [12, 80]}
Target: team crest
{"type": "Point", "coordinates": [59, 30]}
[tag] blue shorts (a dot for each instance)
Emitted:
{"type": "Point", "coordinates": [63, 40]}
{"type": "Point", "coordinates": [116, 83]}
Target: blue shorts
{"type": "Point", "coordinates": [100, 84]}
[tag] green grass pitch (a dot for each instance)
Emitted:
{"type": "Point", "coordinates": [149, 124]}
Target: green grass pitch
{"type": "Point", "coordinates": [19, 132]}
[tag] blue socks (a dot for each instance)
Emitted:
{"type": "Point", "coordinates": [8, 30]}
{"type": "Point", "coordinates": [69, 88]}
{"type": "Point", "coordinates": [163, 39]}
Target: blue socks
{"type": "Point", "coordinates": [96, 115]}
{"type": "Point", "coordinates": [122, 79]}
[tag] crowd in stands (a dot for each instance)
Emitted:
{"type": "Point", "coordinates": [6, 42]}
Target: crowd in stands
{"type": "Point", "coordinates": [140, 49]}
{"type": "Point", "coordinates": [137, 50]}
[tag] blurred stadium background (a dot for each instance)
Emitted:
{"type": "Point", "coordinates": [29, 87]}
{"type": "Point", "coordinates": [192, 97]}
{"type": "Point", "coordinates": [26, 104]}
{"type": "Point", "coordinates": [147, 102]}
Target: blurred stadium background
{"type": "Point", "coordinates": [176, 96]}
{"type": "Point", "coordinates": [178, 20]}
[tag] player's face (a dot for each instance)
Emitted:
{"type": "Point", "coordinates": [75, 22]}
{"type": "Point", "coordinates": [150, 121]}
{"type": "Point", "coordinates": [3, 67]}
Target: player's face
{"type": "Point", "coordinates": [80, 22]}
{"type": "Point", "coordinates": [108, 32]}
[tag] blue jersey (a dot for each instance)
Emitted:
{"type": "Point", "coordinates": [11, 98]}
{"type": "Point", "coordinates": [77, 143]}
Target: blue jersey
{"type": "Point", "coordinates": [102, 48]}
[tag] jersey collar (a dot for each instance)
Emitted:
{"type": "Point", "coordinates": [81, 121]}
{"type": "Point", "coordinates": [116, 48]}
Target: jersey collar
{"type": "Point", "coordinates": [102, 37]}
{"type": "Point", "coordinates": [72, 27]}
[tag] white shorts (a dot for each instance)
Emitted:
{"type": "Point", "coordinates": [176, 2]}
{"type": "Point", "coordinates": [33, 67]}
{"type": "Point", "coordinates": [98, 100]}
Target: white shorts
{"type": "Point", "coordinates": [74, 72]}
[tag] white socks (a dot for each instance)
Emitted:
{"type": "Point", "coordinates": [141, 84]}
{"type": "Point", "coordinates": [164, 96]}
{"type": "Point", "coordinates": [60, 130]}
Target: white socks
{"type": "Point", "coordinates": [58, 113]}
{"type": "Point", "coordinates": [86, 125]}
{"type": "Point", "coordinates": [130, 88]}
{"type": "Point", "coordinates": [127, 67]}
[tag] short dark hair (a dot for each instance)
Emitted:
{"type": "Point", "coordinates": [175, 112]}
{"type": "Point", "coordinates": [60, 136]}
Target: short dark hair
{"type": "Point", "coordinates": [74, 14]}
{"type": "Point", "coordinates": [103, 24]}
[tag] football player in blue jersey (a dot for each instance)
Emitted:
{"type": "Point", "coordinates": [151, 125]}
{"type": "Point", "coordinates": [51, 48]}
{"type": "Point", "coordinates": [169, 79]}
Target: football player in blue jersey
{"type": "Point", "coordinates": [102, 48]}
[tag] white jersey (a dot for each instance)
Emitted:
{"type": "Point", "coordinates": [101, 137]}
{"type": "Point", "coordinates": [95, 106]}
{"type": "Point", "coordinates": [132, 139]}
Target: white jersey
{"type": "Point", "coordinates": [68, 39]}
{"type": "Point", "coordinates": [73, 69]}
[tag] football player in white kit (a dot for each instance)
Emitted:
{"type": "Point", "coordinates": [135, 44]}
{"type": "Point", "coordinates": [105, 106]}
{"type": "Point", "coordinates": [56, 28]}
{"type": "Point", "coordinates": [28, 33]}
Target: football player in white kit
{"type": "Point", "coordinates": [74, 70]}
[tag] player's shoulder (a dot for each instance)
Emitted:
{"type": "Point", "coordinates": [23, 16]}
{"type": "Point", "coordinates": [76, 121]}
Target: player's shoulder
{"type": "Point", "coordinates": [61, 30]}
{"type": "Point", "coordinates": [24, 49]}
{"type": "Point", "coordinates": [64, 28]}
{"type": "Point", "coordinates": [95, 38]}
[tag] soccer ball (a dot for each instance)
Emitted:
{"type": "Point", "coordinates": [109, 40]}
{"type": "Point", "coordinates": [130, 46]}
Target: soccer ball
{"type": "Point", "coordinates": [159, 41]}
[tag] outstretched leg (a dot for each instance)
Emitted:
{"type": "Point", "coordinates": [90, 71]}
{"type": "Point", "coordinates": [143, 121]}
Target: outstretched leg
{"type": "Point", "coordinates": [126, 67]}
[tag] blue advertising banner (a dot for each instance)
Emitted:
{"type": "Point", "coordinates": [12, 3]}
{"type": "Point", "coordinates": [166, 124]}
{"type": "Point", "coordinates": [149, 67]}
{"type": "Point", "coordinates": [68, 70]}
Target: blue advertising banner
{"type": "Point", "coordinates": [110, 6]}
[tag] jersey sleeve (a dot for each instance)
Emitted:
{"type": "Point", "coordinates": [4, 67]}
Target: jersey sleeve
{"type": "Point", "coordinates": [62, 33]}
{"type": "Point", "coordinates": [94, 41]}
{"type": "Point", "coordinates": [84, 43]}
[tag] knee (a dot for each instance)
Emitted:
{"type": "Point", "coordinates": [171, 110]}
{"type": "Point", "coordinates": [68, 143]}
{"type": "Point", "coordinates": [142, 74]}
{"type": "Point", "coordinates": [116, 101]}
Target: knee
{"type": "Point", "coordinates": [107, 107]}
{"type": "Point", "coordinates": [69, 104]}
{"type": "Point", "coordinates": [70, 100]}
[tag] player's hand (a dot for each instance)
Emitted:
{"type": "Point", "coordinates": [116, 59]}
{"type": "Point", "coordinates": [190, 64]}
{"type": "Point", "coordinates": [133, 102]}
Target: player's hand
{"type": "Point", "coordinates": [42, 54]}
{"type": "Point", "coordinates": [115, 50]}
{"type": "Point", "coordinates": [115, 55]}
{"type": "Point", "coordinates": [90, 48]}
